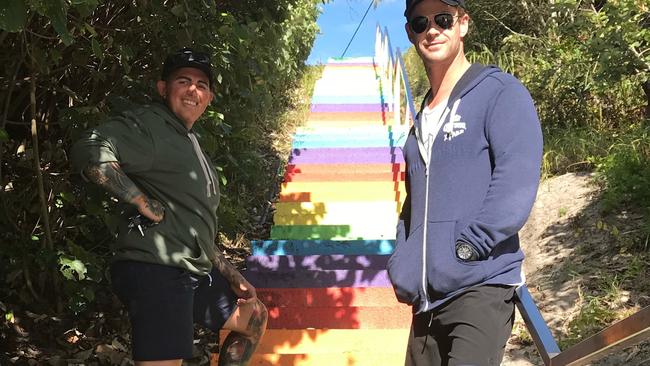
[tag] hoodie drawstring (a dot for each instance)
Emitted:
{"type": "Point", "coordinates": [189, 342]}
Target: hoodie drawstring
{"type": "Point", "coordinates": [207, 172]}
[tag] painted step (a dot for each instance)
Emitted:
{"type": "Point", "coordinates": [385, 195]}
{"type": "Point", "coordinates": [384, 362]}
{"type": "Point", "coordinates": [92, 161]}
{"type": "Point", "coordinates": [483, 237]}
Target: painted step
{"type": "Point", "coordinates": [335, 208]}
{"type": "Point", "coordinates": [385, 187]}
{"type": "Point", "coordinates": [363, 133]}
{"type": "Point", "coordinates": [308, 169]}
{"type": "Point", "coordinates": [379, 130]}
{"type": "Point", "coordinates": [348, 117]}
{"type": "Point", "coordinates": [327, 341]}
{"type": "Point", "coordinates": [324, 208]}
{"type": "Point", "coordinates": [337, 213]}
{"type": "Point", "coordinates": [349, 99]}
{"type": "Point", "coordinates": [335, 232]}
{"type": "Point", "coordinates": [375, 213]}
{"type": "Point", "coordinates": [347, 155]}
{"type": "Point", "coordinates": [329, 359]}
{"type": "Point", "coordinates": [346, 196]}
{"type": "Point", "coordinates": [319, 279]}
{"type": "Point", "coordinates": [339, 79]}
{"type": "Point", "coordinates": [283, 263]}
{"type": "Point", "coordinates": [397, 317]}
{"type": "Point", "coordinates": [369, 107]}
{"type": "Point", "coordinates": [323, 247]}
{"type": "Point", "coordinates": [348, 143]}
{"type": "Point", "coordinates": [356, 220]}
{"type": "Point", "coordinates": [333, 297]}
{"type": "Point", "coordinates": [343, 177]}
{"type": "Point", "coordinates": [371, 136]}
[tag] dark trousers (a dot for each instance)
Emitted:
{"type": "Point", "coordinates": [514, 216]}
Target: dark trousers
{"type": "Point", "coordinates": [470, 330]}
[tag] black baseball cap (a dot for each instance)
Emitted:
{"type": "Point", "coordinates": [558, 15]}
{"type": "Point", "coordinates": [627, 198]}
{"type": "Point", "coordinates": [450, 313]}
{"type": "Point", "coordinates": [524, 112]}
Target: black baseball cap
{"type": "Point", "coordinates": [411, 3]}
{"type": "Point", "coordinates": [186, 57]}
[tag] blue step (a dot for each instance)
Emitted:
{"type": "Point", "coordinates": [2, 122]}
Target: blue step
{"type": "Point", "coordinates": [312, 247]}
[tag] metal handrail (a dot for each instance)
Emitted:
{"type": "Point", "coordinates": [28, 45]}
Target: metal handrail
{"type": "Point", "coordinates": [627, 332]}
{"type": "Point", "coordinates": [393, 74]}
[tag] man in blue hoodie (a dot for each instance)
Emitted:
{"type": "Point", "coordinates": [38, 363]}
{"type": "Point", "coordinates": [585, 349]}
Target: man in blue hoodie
{"type": "Point", "coordinates": [473, 166]}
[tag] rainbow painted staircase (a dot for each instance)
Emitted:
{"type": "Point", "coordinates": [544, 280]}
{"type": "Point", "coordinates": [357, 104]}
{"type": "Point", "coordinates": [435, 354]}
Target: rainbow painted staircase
{"type": "Point", "coordinates": [323, 273]}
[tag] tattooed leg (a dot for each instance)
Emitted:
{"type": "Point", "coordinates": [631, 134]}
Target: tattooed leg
{"type": "Point", "coordinates": [238, 347]}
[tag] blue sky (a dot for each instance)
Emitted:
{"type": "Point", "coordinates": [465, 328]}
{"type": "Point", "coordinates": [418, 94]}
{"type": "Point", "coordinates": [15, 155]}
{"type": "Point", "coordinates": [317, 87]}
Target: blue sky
{"type": "Point", "coordinates": [340, 18]}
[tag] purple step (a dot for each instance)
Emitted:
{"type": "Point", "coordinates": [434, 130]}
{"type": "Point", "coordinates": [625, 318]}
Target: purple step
{"type": "Point", "coordinates": [368, 155]}
{"type": "Point", "coordinates": [319, 279]}
{"type": "Point", "coordinates": [365, 107]}
{"type": "Point", "coordinates": [285, 263]}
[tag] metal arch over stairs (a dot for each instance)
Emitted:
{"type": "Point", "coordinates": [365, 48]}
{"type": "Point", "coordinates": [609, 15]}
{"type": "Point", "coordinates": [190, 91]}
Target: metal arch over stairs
{"type": "Point", "coordinates": [323, 274]}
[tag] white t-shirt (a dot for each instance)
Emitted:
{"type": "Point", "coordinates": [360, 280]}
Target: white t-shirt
{"type": "Point", "coordinates": [431, 121]}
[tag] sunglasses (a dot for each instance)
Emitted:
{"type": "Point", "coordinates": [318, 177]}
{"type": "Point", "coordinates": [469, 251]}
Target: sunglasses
{"type": "Point", "coordinates": [421, 23]}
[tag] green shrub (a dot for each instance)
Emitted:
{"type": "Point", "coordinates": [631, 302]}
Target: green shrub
{"type": "Point", "coordinates": [625, 170]}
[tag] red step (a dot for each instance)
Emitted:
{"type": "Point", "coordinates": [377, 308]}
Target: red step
{"type": "Point", "coordinates": [333, 297]}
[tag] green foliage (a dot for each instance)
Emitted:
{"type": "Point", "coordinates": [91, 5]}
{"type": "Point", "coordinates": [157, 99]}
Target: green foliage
{"type": "Point", "coordinates": [625, 171]}
{"type": "Point", "coordinates": [89, 59]}
{"type": "Point", "coordinates": [417, 75]}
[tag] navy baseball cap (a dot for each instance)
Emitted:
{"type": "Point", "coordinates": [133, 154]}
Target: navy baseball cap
{"type": "Point", "coordinates": [411, 3]}
{"type": "Point", "coordinates": [186, 57]}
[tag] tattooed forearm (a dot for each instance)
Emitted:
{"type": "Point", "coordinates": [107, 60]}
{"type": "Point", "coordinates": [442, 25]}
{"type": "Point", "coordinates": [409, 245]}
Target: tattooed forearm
{"type": "Point", "coordinates": [223, 265]}
{"type": "Point", "coordinates": [237, 349]}
{"type": "Point", "coordinates": [111, 177]}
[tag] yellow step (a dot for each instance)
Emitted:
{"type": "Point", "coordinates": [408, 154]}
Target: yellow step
{"type": "Point", "coordinates": [327, 341]}
{"type": "Point", "coordinates": [336, 213]}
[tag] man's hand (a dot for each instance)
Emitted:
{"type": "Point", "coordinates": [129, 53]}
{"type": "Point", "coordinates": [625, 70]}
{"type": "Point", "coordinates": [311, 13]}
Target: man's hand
{"type": "Point", "coordinates": [243, 289]}
{"type": "Point", "coordinates": [149, 208]}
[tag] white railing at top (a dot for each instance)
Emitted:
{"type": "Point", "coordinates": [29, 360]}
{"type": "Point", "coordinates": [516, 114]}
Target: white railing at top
{"type": "Point", "coordinates": [390, 67]}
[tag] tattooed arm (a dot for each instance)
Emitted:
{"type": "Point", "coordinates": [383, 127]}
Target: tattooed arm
{"type": "Point", "coordinates": [111, 177]}
{"type": "Point", "coordinates": [238, 283]}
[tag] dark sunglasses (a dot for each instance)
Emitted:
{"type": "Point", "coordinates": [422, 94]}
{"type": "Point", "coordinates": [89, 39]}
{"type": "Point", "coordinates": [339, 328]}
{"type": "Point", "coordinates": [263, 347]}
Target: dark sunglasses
{"type": "Point", "coordinates": [421, 23]}
{"type": "Point", "coordinates": [191, 56]}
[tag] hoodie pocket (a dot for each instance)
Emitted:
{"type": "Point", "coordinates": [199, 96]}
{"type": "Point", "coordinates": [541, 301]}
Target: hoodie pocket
{"type": "Point", "coordinates": [445, 272]}
{"type": "Point", "coordinates": [405, 268]}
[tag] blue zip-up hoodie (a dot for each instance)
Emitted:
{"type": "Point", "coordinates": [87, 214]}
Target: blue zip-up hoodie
{"type": "Point", "coordinates": [478, 186]}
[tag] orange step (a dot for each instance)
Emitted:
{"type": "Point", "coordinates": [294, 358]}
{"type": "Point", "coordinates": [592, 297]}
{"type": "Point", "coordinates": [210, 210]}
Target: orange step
{"type": "Point", "coordinates": [330, 359]}
{"type": "Point", "coordinates": [327, 341]}
{"type": "Point", "coordinates": [342, 196]}
{"type": "Point", "coordinates": [396, 317]}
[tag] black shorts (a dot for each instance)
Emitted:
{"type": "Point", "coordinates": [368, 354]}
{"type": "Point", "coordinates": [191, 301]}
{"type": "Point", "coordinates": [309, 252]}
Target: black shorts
{"type": "Point", "coordinates": [470, 330]}
{"type": "Point", "coordinates": [164, 303]}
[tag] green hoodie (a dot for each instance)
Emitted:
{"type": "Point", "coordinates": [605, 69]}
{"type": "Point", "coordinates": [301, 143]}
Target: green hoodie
{"type": "Point", "coordinates": [163, 158]}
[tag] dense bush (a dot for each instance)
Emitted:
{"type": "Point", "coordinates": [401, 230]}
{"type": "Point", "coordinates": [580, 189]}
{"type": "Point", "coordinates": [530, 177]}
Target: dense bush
{"type": "Point", "coordinates": [68, 64]}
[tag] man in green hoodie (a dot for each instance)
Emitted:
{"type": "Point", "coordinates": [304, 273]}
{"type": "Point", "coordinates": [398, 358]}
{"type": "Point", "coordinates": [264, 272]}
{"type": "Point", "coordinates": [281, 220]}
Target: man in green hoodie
{"type": "Point", "coordinates": [166, 269]}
